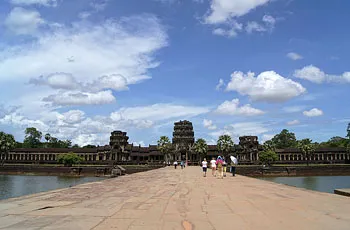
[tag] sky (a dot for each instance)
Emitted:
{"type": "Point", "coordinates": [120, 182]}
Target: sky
{"type": "Point", "coordinates": [80, 69]}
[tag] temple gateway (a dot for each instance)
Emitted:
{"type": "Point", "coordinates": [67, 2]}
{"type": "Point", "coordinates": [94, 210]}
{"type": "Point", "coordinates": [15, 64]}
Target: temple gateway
{"type": "Point", "coordinates": [120, 151]}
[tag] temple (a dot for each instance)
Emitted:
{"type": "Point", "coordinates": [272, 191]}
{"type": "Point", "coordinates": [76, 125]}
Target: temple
{"type": "Point", "coordinates": [120, 151]}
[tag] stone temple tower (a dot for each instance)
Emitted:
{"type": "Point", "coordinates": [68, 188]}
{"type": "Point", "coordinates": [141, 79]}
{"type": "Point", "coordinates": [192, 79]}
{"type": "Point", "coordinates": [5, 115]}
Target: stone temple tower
{"type": "Point", "coordinates": [118, 142]}
{"type": "Point", "coordinates": [348, 130]}
{"type": "Point", "coordinates": [183, 138]}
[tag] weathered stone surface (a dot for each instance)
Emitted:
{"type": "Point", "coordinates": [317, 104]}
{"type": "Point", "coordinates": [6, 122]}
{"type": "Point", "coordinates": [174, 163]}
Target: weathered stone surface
{"type": "Point", "coordinates": [177, 199]}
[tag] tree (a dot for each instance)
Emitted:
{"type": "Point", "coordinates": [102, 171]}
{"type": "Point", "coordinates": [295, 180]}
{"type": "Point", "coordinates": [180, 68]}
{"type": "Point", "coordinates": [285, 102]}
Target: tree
{"type": "Point", "coordinates": [268, 157]}
{"type": "Point", "coordinates": [269, 145]}
{"type": "Point", "coordinates": [89, 146]}
{"type": "Point", "coordinates": [32, 137]}
{"type": "Point", "coordinates": [7, 143]}
{"type": "Point", "coordinates": [284, 139]}
{"type": "Point", "coordinates": [225, 144]}
{"type": "Point", "coordinates": [307, 149]}
{"type": "Point", "coordinates": [164, 146]}
{"type": "Point", "coordinates": [76, 146]}
{"type": "Point", "coordinates": [47, 137]}
{"type": "Point", "coordinates": [69, 159]}
{"type": "Point", "coordinates": [201, 148]}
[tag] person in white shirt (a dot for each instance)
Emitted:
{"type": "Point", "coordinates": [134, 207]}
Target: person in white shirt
{"type": "Point", "coordinates": [213, 166]}
{"type": "Point", "coordinates": [204, 166]}
{"type": "Point", "coordinates": [175, 164]}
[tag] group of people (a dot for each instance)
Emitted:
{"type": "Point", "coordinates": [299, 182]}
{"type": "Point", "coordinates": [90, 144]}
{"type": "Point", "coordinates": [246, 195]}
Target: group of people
{"type": "Point", "coordinates": [182, 163]}
{"type": "Point", "coordinates": [219, 166]}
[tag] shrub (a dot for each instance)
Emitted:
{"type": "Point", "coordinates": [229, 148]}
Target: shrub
{"type": "Point", "coordinates": [69, 159]}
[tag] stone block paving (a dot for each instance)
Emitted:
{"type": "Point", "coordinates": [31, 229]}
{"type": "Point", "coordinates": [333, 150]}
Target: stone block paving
{"type": "Point", "coordinates": [177, 199]}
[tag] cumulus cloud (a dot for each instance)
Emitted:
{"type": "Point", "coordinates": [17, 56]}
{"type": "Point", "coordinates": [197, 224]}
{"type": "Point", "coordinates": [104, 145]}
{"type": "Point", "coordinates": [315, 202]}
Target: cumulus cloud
{"type": "Point", "coordinates": [23, 22]}
{"type": "Point", "coordinates": [313, 112]}
{"type": "Point", "coordinates": [293, 122]}
{"type": "Point", "coordinates": [267, 86]}
{"type": "Point", "coordinates": [224, 10]}
{"type": "Point", "coordinates": [315, 75]}
{"type": "Point", "coordinates": [34, 2]}
{"type": "Point", "coordinates": [233, 108]}
{"type": "Point", "coordinates": [209, 124]}
{"type": "Point", "coordinates": [294, 56]}
{"type": "Point", "coordinates": [230, 30]}
{"type": "Point", "coordinates": [266, 137]}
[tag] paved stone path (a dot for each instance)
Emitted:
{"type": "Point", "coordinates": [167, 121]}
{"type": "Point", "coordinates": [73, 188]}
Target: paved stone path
{"type": "Point", "coordinates": [177, 199]}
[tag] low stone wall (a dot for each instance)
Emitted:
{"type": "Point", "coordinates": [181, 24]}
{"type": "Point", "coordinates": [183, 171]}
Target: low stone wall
{"type": "Point", "coordinates": [320, 170]}
{"type": "Point", "coordinates": [69, 171]}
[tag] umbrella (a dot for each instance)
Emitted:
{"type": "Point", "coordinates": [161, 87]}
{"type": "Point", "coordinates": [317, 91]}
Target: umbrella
{"type": "Point", "coordinates": [234, 160]}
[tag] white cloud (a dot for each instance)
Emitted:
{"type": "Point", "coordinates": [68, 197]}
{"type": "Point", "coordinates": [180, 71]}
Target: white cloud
{"type": "Point", "coordinates": [73, 116]}
{"type": "Point", "coordinates": [315, 75]}
{"type": "Point", "coordinates": [209, 124]}
{"type": "Point", "coordinates": [35, 2]}
{"type": "Point", "coordinates": [241, 129]}
{"type": "Point", "coordinates": [220, 84]}
{"type": "Point", "coordinates": [99, 5]}
{"type": "Point", "coordinates": [233, 108]}
{"type": "Point", "coordinates": [80, 98]}
{"type": "Point", "coordinates": [230, 30]}
{"type": "Point", "coordinates": [267, 86]}
{"type": "Point", "coordinates": [268, 25]}
{"type": "Point", "coordinates": [139, 143]}
{"type": "Point", "coordinates": [293, 122]}
{"type": "Point", "coordinates": [254, 27]}
{"type": "Point", "coordinates": [159, 112]}
{"type": "Point", "coordinates": [79, 64]}
{"type": "Point", "coordinates": [23, 22]}
{"type": "Point", "coordinates": [294, 56]}
{"type": "Point", "coordinates": [222, 11]}
{"type": "Point", "coordinates": [313, 112]}
{"type": "Point", "coordinates": [266, 137]}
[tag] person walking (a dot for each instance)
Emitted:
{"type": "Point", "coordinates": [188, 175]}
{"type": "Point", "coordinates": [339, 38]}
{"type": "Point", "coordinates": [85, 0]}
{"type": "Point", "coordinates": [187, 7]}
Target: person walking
{"type": "Point", "coordinates": [234, 162]}
{"type": "Point", "coordinates": [224, 166]}
{"type": "Point", "coordinates": [182, 164]}
{"type": "Point", "coordinates": [219, 163]}
{"type": "Point", "coordinates": [175, 164]}
{"type": "Point", "coordinates": [204, 167]}
{"type": "Point", "coordinates": [213, 166]}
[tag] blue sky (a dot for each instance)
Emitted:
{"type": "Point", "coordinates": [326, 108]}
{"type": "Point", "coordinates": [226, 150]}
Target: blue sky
{"type": "Point", "coordinates": [80, 69]}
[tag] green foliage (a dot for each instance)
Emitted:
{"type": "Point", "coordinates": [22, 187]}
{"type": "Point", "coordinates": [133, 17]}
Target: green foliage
{"type": "Point", "coordinates": [7, 143]}
{"type": "Point", "coordinates": [32, 138]}
{"type": "Point", "coordinates": [284, 139]}
{"type": "Point", "coordinates": [268, 157]}
{"type": "Point", "coordinates": [201, 147]}
{"type": "Point", "coordinates": [335, 142]}
{"type": "Point", "coordinates": [164, 146]}
{"type": "Point", "coordinates": [69, 159]}
{"type": "Point", "coordinates": [269, 145]}
{"type": "Point", "coordinates": [307, 148]}
{"type": "Point", "coordinates": [225, 144]}
{"type": "Point", "coordinates": [47, 137]}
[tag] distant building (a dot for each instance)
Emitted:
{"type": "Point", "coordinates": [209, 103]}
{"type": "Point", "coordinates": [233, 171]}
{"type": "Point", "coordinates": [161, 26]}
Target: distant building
{"type": "Point", "coordinates": [121, 152]}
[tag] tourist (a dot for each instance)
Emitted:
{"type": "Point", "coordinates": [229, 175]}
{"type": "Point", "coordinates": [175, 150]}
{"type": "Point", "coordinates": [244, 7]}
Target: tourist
{"type": "Point", "coordinates": [182, 164]}
{"type": "Point", "coordinates": [213, 166]}
{"type": "Point", "coordinates": [224, 166]}
{"type": "Point", "coordinates": [204, 166]}
{"type": "Point", "coordinates": [175, 164]}
{"type": "Point", "coordinates": [234, 162]}
{"type": "Point", "coordinates": [219, 163]}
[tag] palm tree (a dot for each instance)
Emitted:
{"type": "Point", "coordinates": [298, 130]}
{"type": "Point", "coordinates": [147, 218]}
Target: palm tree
{"type": "Point", "coordinates": [307, 149]}
{"type": "Point", "coordinates": [7, 143]}
{"type": "Point", "coordinates": [225, 145]}
{"type": "Point", "coordinates": [164, 146]}
{"type": "Point", "coordinates": [201, 148]}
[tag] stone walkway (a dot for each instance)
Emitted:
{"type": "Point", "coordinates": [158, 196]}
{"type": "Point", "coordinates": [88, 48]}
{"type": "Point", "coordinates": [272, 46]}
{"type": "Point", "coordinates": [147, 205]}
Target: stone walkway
{"type": "Point", "coordinates": [177, 199]}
